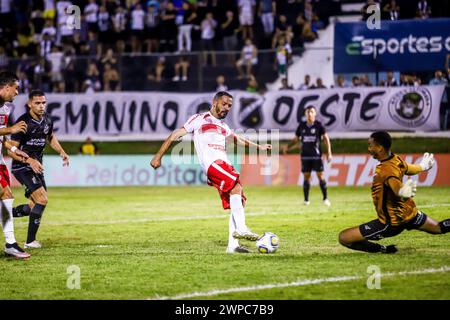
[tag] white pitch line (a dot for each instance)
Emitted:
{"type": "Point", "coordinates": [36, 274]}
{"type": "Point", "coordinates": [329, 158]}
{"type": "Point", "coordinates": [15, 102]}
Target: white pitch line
{"type": "Point", "coordinates": [435, 205]}
{"type": "Point", "coordinates": [164, 218]}
{"type": "Point", "coordinates": [205, 217]}
{"type": "Point", "coordinates": [293, 284]}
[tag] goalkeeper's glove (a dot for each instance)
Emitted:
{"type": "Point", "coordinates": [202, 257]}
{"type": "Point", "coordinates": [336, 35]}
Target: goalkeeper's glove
{"type": "Point", "coordinates": [427, 161]}
{"type": "Point", "coordinates": [408, 190]}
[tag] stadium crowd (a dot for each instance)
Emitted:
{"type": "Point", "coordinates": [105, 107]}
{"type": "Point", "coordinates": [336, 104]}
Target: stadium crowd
{"type": "Point", "coordinates": [50, 48]}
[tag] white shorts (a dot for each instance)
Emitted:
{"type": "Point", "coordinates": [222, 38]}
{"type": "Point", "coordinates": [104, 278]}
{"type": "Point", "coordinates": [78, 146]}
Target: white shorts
{"type": "Point", "coordinates": [242, 62]}
{"type": "Point", "coordinates": [246, 18]}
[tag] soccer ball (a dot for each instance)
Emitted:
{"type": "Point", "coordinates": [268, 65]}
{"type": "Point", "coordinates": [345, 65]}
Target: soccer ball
{"type": "Point", "coordinates": [268, 243]}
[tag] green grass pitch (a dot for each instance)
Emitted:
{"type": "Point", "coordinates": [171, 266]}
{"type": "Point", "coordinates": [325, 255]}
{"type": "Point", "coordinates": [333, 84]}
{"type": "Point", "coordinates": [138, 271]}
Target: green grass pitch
{"type": "Point", "coordinates": [153, 242]}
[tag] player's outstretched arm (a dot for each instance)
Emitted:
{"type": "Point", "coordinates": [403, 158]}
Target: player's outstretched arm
{"type": "Point", "coordinates": [245, 142]}
{"type": "Point", "coordinates": [175, 135]}
{"type": "Point", "coordinates": [54, 143]}
{"type": "Point", "coordinates": [425, 164]}
{"type": "Point", "coordinates": [291, 145]}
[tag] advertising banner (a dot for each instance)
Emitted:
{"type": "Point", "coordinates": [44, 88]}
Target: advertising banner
{"type": "Point", "coordinates": [280, 170]}
{"type": "Point", "coordinates": [130, 170]}
{"type": "Point", "coordinates": [344, 170]}
{"type": "Point", "coordinates": [153, 116]}
{"type": "Point", "coordinates": [402, 45]}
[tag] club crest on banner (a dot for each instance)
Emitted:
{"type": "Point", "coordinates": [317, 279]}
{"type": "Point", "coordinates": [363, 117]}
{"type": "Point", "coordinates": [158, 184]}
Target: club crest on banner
{"type": "Point", "coordinates": [250, 113]}
{"type": "Point", "coordinates": [410, 107]}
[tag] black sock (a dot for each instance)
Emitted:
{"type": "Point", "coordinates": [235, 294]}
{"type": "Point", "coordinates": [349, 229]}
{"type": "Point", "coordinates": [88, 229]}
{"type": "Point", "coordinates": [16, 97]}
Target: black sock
{"type": "Point", "coordinates": [21, 211]}
{"type": "Point", "coordinates": [365, 246]}
{"type": "Point", "coordinates": [306, 186]}
{"type": "Point", "coordinates": [445, 226]}
{"type": "Point", "coordinates": [323, 187]}
{"type": "Point", "coordinates": [34, 221]}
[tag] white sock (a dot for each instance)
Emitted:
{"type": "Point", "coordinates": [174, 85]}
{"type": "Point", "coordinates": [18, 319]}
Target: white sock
{"type": "Point", "coordinates": [8, 221]}
{"type": "Point", "coordinates": [238, 213]}
{"type": "Point", "coordinates": [232, 242]}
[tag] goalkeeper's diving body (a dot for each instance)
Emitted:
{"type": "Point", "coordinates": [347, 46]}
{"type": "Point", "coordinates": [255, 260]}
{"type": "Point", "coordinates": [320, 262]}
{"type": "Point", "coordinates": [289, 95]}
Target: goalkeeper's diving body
{"type": "Point", "coordinates": [392, 199]}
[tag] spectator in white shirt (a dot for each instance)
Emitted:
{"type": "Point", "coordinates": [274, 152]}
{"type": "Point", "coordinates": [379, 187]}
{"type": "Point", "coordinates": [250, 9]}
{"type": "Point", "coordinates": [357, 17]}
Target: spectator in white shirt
{"type": "Point", "coordinates": [152, 21]}
{"type": "Point", "coordinates": [423, 10]}
{"type": "Point", "coordinates": [66, 24]}
{"type": "Point", "coordinates": [184, 29]}
{"type": "Point", "coordinates": [221, 86]}
{"type": "Point", "coordinates": [306, 84]}
{"type": "Point", "coordinates": [249, 58]}
{"type": "Point", "coordinates": [45, 45]}
{"type": "Point", "coordinates": [120, 27]}
{"type": "Point", "coordinates": [91, 13]}
{"type": "Point", "coordinates": [49, 28]}
{"type": "Point", "coordinates": [208, 27]}
{"type": "Point", "coordinates": [137, 27]}
{"type": "Point", "coordinates": [340, 82]}
{"type": "Point", "coordinates": [390, 80]}
{"type": "Point", "coordinates": [104, 26]}
{"type": "Point", "coordinates": [267, 11]}
{"type": "Point", "coordinates": [246, 12]}
{"type": "Point", "coordinates": [55, 58]}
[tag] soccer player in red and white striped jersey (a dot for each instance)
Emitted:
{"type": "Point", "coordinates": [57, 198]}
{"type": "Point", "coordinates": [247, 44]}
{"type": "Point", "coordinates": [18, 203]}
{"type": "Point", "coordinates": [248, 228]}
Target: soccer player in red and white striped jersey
{"type": "Point", "coordinates": [9, 89]}
{"type": "Point", "coordinates": [210, 134]}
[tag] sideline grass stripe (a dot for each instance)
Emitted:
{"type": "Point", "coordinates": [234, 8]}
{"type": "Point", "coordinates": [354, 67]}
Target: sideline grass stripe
{"type": "Point", "coordinates": [295, 284]}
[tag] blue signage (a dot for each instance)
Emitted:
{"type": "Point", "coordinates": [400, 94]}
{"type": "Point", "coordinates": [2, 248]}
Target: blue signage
{"type": "Point", "coordinates": [403, 45]}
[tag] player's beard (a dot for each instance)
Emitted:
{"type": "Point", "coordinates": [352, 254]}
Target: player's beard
{"type": "Point", "coordinates": [223, 114]}
{"type": "Point", "coordinates": [10, 98]}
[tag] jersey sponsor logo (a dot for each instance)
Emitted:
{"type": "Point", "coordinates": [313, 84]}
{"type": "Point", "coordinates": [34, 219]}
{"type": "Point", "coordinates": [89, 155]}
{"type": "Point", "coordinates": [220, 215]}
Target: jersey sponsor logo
{"type": "Point", "coordinates": [3, 120]}
{"type": "Point", "coordinates": [411, 107]}
{"type": "Point", "coordinates": [212, 128]}
{"type": "Point", "coordinates": [216, 146]}
{"type": "Point", "coordinates": [309, 139]}
{"type": "Point", "coordinates": [40, 142]}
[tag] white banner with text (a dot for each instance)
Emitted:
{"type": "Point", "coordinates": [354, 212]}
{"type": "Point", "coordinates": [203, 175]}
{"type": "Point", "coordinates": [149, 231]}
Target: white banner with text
{"type": "Point", "coordinates": [153, 115]}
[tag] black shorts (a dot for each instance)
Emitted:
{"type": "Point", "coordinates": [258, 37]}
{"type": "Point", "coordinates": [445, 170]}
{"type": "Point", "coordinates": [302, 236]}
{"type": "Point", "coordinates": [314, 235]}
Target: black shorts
{"type": "Point", "coordinates": [30, 180]}
{"type": "Point", "coordinates": [312, 165]}
{"type": "Point", "coordinates": [375, 230]}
